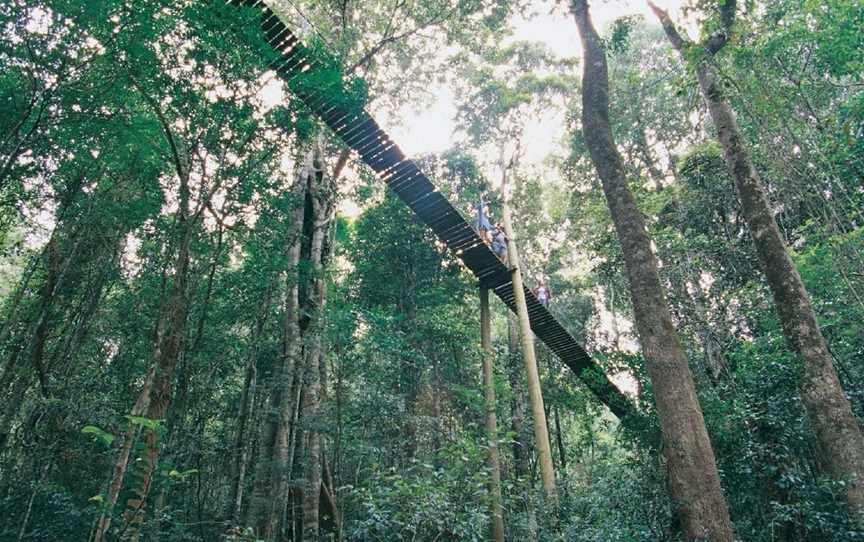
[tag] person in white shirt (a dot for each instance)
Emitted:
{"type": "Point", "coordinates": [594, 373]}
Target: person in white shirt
{"type": "Point", "coordinates": [483, 223]}
{"type": "Point", "coordinates": [543, 294]}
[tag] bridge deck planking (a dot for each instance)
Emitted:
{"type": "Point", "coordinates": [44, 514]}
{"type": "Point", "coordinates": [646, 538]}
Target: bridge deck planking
{"type": "Point", "coordinates": [360, 132]}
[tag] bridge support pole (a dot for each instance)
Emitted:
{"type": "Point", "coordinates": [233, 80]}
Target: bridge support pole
{"type": "Point", "coordinates": [535, 394]}
{"type": "Point", "coordinates": [496, 513]}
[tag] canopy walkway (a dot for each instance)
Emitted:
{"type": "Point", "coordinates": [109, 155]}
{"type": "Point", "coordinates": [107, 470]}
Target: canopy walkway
{"type": "Point", "coordinates": [359, 131]}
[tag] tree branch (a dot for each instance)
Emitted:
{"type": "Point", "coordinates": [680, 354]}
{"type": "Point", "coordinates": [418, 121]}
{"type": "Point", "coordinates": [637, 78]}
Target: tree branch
{"type": "Point", "coordinates": [727, 14]}
{"type": "Point", "coordinates": [340, 163]}
{"type": "Point", "coordinates": [678, 41]}
{"type": "Point", "coordinates": [716, 40]}
{"type": "Point", "coordinates": [370, 54]}
{"type": "Point", "coordinates": [392, 39]}
{"type": "Point", "coordinates": [166, 127]}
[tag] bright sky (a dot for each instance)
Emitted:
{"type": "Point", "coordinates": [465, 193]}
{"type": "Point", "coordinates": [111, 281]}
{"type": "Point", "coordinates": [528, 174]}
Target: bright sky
{"type": "Point", "coordinates": [432, 130]}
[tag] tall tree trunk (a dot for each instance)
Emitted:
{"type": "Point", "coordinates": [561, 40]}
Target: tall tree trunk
{"type": "Point", "coordinates": [167, 344]}
{"type": "Point", "coordinates": [322, 197]}
{"type": "Point", "coordinates": [176, 425]}
{"type": "Point", "coordinates": [272, 489]}
{"type": "Point", "coordinates": [829, 411]}
{"type": "Point", "coordinates": [312, 464]}
{"type": "Point", "coordinates": [247, 404]}
{"type": "Point", "coordinates": [299, 376]}
{"type": "Point", "coordinates": [517, 406]}
{"type": "Point", "coordinates": [495, 511]}
{"type": "Point", "coordinates": [263, 448]}
{"type": "Point", "coordinates": [694, 481]}
{"type": "Point", "coordinates": [559, 437]}
{"type": "Point", "coordinates": [521, 444]}
{"type": "Point", "coordinates": [259, 503]}
{"type": "Point", "coordinates": [169, 338]}
{"type": "Point", "coordinates": [122, 461]}
{"type": "Point", "coordinates": [535, 394]}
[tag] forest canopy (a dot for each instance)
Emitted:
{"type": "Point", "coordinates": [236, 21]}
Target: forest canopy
{"type": "Point", "coordinates": [226, 312]}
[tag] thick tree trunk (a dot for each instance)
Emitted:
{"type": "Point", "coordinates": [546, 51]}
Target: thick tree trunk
{"type": "Point", "coordinates": [495, 511]}
{"type": "Point", "coordinates": [694, 481]}
{"type": "Point", "coordinates": [312, 466]}
{"type": "Point", "coordinates": [281, 460]}
{"type": "Point", "coordinates": [272, 489]}
{"type": "Point", "coordinates": [298, 380]}
{"type": "Point", "coordinates": [322, 196]}
{"type": "Point", "coordinates": [829, 411]}
{"type": "Point", "coordinates": [535, 394]}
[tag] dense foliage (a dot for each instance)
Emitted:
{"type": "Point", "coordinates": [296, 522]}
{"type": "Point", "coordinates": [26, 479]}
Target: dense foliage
{"type": "Point", "coordinates": [149, 197]}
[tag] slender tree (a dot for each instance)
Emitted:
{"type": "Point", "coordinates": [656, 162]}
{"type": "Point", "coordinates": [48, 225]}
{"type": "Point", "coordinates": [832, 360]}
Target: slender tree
{"type": "Point", "coordinates": [496, 512]}
{"type": "Point", "coordinates": [248, 401]}
{"type": "Point", "coordinates": [837, 430]}
{"type": "Point", "coordinates": [694, 481]}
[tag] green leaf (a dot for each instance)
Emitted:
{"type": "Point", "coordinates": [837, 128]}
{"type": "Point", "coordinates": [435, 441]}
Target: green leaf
{"type": "Point", "coordinates": [181, 475]}
{"type": "Point", "coordinates": [98, 434]}
{"type": "Point", "coordinates": [144, 422]}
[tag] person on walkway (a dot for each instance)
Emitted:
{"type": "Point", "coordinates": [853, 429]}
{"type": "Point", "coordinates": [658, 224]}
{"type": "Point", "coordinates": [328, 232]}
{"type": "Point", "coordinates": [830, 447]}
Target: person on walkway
{"type": "Point", "coordinates": [543, 294]}
{"type": "Point", "coordinates": [499, 241]}
{"type": "Point", "coordinates": [484, 226]}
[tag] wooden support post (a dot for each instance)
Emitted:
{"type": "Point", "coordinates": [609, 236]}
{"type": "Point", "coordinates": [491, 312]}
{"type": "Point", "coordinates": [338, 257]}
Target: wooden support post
{"type": "Point", "coordinates": [535, 395]}
{"type": "Point", "coordinates": [495, 510]}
